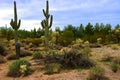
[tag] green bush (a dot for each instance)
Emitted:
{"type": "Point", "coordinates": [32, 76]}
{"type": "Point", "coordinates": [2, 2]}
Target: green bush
{"type": "Point", "coordinates": [96, 73]}
{"type": "Point", "coordinates": [114, 67]}
{"type": "Point", "coordinates": [86, 51]}
{"type": "Point", "coordinates": [52, 68]}
{"type": "Point", "coordinates": [115, 47]}
{"type": "Point", "coordinates": [36, 41]}
{"type": "Point", "coordinates": [37, 55]}
{"type": "Point", "coordinates": [19, 67]}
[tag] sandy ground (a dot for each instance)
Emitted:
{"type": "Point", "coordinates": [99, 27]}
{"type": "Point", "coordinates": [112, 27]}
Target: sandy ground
{"type": "Point", "coordinates": [70, 74]}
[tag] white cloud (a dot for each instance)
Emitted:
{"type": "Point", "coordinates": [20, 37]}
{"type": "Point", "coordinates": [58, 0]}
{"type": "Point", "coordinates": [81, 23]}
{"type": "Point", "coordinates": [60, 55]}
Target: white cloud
{"type": "Point", "coordinates": [64, 11]}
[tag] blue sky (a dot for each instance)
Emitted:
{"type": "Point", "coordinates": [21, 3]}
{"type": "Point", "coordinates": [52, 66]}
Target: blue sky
{"type": "Point", "coordinates": [64, 12]}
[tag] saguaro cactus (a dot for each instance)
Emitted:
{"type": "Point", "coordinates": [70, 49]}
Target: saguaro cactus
{"type": "Point", "coordinates": [15, 25]}
{"type": "Point", "coordinates": [46, 24]}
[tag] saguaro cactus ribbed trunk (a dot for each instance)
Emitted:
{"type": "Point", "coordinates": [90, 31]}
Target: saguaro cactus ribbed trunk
{"type": "Point", "coordinates": [46, 24]}
{"type": "Point", "coordinates": [15, 25]}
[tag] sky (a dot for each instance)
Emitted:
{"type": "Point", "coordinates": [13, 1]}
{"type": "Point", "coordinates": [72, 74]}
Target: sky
{"type": "Point", "coordinates": [64, 12]}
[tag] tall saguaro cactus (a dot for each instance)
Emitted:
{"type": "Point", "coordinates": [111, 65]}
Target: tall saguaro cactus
{"type": "Point", "coordinates": [15, 25]}
{"type": "Point", "coordinates": [46, 24]}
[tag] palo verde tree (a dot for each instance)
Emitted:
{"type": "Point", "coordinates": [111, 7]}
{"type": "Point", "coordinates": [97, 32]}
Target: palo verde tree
{"type": "Point", "coordinates": [46, 24]}
{"type": "Point", "coordinates": [15, 25]}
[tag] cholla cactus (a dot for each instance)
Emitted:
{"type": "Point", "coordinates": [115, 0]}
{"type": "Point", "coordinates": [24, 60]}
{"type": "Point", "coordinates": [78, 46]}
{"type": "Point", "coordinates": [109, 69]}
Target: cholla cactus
{"type": "Point", "coordinates": [23, 68]}
{"type": "Point", "coordinates": [46, 24]}
{"type": "Point", "coordinates": [79, 41]}
{"type": "Point", "coordinates": [99, 40]}
{"type": "Point", "coordinates": [87, 43]}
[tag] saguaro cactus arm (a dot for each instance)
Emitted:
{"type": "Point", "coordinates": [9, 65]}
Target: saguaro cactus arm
{"type": "Point", "coordinates": [14, 23]}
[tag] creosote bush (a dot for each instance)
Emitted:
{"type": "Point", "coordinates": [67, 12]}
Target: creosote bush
{"type": "Point", "coordinates": [96, 73]}
{"type": "Point", "coordinates": [38, 55]}
{"type": "Point", "coordinates": [116, 60]}
{"type": "Point", "coordinates": [52, 68]}
{"type": "Point", "coordinates": [114, 67]}
{"type": "Point", "coordinates": [74, 59]}
{"type": "Point", "coordinates": [52, 57]}
{"type": "Point", "coordinates": [19, 68]}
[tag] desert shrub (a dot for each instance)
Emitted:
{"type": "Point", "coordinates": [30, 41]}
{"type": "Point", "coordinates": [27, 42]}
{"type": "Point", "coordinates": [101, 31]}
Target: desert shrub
{"type": "Point", "coordinates": [114, 67]}
{"type": "Point", "coordinates": [115, 47]}
{"type": "Point", "coordinates": [53, 68]}
{"type": "Point", "coordinates": [116, 60]}
{"type": "Point", "coordinates": [96, 73]}
{"type": "Point", "coordinates": [52, 57]}
{"type": "Point", "coordinates": [95, 45]}
{"type": "Point", "coordinates": [2, 59]}
{"type": "Point", "coordinates": [74, 59]}
{"type": "Point", "coordinates": [19, 67]}
{"type": "Point", "coordinates": [107, 58]}
{"type": "Point", "coordinates": [99, 40]}
{"type": "Point", "coordinates": [25, 53]}
{"type": "Point", "coordinates": [2, 50]}
{"type": "Point", "coordinates": [36, 41]}
{"type": "Point", "coordinates": [30, 45]}
{"type": "Point", "coordinates": [12, 57]}
{"type": "Point", "coordinates": [86, 51]}
{"type": "Point", "coordinates": [37, 55]}
{"type": "Point", "coordinates": [87, 43]}
{"type": "Point", "coordinates": [79, 41]}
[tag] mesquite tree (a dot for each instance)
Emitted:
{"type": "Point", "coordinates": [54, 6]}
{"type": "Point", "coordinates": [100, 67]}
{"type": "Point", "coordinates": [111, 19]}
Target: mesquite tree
{"type": "Point", "coordinates": [15, 25]}
{"type": "Point", "coordinates": [46, 24]}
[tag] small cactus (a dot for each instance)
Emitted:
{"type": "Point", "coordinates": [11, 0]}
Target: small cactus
{"type": "Point", "coordinates": [15, 25]}
{"type": "Point", "coordinates": [46, 24]}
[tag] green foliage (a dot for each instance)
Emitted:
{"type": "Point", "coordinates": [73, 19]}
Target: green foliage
{"type": "Point", "coordinates": [19, 67]}
{"type": "Point", "coordinates": [114, 67]}
{"type": "Point", "coordinates": [86, 51]}
{"type": "Point", "coordinates": [53, 68]}
{"type": "Point", "coordinates": [66, 38]}
{"type": "Point", "coordinates": [52, 57]}
{"type": "Point", "coordinates": [96, 73]}
{"type": "Point", "coordinates": [79, 41]}
{"type": "Point", "coordinates": [87, 43]}
{"type": "Point", "coordinates": [36, 41]}
{"type": "Point", "coordinates": [6, 33]}
{"type": "Point", "coordinates": [37, 55]}
{"type": "Point", "coordinates": [99, 40]}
